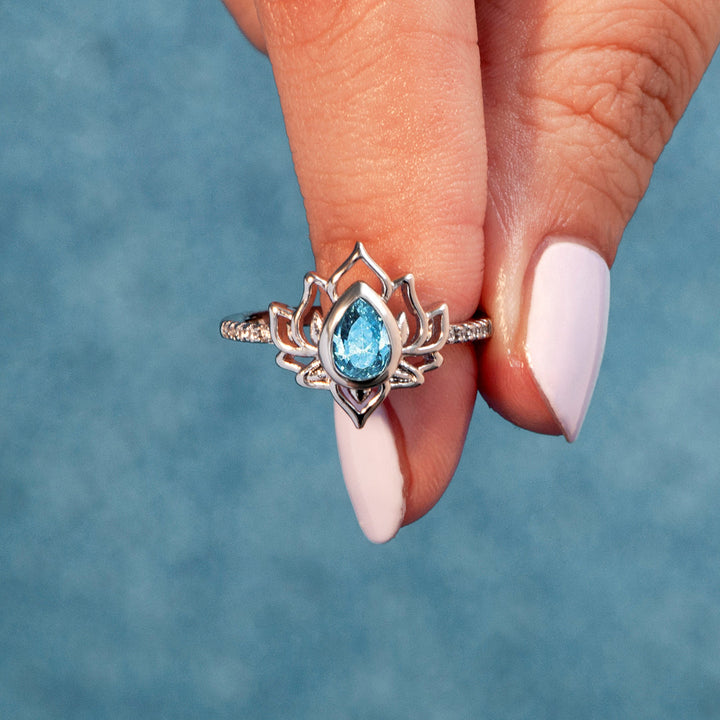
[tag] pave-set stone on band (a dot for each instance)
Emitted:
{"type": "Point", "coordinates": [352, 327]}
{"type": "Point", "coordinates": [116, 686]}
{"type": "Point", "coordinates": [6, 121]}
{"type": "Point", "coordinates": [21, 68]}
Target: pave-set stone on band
{"type": "Point", "coordinates": [360, 349]}
{"type": "Point", "coordinates": [255, 328]}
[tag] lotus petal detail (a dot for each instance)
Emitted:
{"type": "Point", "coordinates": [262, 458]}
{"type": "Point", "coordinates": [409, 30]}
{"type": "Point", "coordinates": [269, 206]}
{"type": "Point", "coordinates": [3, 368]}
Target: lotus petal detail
{"type": "Point", "coordinates": [360, 349]}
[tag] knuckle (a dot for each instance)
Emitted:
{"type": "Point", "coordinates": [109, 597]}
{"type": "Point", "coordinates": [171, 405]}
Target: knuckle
{"type": "Point", "coordinates": [636, 91]}
{"type": "Point", "coordinates": [631, 78]}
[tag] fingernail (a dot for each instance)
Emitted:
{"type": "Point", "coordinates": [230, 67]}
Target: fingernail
{"type": "Point", "coordinates": [371, 467]}
{"type": "Point", "coordinates": [566, 328]}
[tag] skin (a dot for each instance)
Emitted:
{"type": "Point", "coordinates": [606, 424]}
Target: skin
{"type": "Point", "coordinates": [452, 138]}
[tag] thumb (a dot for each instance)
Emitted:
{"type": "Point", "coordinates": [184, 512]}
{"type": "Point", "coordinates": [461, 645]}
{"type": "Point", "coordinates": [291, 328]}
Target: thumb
{"type": "Point", "coordinates": [580, 100]}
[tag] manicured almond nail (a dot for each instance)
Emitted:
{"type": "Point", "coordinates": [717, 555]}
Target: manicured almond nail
{"type": "Point", "coordinates": [371, 467]}
{"type": "Point", "coordinates": [566, 328]}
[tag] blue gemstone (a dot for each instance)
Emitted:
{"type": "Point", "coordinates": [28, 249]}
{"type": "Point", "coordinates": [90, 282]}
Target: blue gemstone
{"type": "Point", "coordinates": [360, 342]}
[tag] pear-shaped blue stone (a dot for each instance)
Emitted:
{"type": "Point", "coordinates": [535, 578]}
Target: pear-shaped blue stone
{"type": "Point", "coordinates": [361, 343]}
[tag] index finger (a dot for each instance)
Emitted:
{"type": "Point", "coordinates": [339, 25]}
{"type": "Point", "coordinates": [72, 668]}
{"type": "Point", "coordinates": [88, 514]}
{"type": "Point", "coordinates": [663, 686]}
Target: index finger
{"type": "Point", "coordinates": [383, 108]}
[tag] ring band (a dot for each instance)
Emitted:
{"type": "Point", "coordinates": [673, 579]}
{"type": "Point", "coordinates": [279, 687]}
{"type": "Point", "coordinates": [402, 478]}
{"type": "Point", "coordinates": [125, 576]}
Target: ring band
{"type": "Point", "coordinates": [360, 349]}
{"type": "Point", "coordinates": [255, 328]}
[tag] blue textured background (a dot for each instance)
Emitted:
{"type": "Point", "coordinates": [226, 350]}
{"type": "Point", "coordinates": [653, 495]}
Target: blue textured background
{"type": "Point", "coordinates": [165, 550]}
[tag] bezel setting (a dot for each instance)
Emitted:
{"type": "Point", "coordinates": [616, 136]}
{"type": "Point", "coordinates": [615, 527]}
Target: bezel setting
{"type": "Point", "coordinates": [358, 291]}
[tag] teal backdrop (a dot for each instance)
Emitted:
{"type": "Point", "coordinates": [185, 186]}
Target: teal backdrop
{"type": "Point", "coordinates": [175, 538]}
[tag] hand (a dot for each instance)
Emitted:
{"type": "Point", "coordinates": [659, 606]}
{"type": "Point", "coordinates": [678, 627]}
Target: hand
{"type": "Point", "coordinates": [496, 150]}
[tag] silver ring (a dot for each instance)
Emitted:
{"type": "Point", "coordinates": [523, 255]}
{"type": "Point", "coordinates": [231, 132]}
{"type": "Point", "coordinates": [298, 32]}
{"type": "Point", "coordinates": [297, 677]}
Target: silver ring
{"type": "Point", "coordinates": [371, 340]}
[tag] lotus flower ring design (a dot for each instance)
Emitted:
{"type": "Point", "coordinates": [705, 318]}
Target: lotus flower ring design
{"type": "Point", "coordinates": [358, 334]}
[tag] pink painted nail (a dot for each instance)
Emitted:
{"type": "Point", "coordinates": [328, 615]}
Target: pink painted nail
{"type": "Point", "coordinates": [371, 468]}
{"type": "Point", "coordinates": [566, 328]}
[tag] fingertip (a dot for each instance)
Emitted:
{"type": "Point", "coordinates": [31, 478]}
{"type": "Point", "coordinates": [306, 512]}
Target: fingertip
{"type": "Point", "coordinates": [506, 383]}
{"type": "Point", "coordinates": [398, 466]}
{"type": "Point", "coordinates": [433, 423]}
{"type": "Point", "coordinates": [541, 374]}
